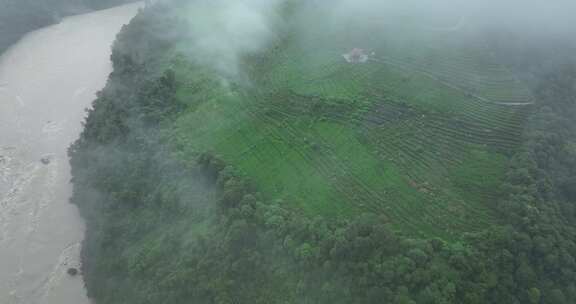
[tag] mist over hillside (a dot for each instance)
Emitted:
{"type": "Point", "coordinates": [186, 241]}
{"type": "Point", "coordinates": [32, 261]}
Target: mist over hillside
{"type": "Point", "coordinates": [334, 152]}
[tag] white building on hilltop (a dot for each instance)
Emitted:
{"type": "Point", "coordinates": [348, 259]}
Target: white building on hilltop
{"type": "Point", "coordinates": [356, 55]}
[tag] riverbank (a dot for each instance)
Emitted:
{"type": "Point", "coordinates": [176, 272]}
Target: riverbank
{"type": "Point", "coordinates": [21, 17]}
{"type": "Point", "coordinates": [47, 80]}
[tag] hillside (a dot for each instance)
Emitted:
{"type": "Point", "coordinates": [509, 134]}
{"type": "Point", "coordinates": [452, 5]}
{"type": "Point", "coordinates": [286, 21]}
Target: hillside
{"type": "Point", "coordinates": [418, 134]}
{"type": "Point", "coordinates": [340, 161]}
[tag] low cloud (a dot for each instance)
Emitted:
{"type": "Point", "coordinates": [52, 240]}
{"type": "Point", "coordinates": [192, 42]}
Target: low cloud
{"type": "Point", "coordinates": [223, 31]}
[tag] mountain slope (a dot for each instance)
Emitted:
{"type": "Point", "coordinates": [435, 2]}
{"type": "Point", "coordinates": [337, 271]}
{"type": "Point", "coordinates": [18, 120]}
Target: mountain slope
{"type": "Point", "coordinates": [419, 133]}
{"type": "Point", "coordinates": [210, 171]}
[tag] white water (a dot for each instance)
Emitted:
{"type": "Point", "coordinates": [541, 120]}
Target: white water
{"type": "Point", "coordinates": [46, 82]}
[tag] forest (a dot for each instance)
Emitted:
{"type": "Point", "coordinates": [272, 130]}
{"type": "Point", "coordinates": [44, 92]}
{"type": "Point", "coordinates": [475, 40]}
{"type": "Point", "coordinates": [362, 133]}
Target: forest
{"type": "Point", "coordinates": [175, 222]}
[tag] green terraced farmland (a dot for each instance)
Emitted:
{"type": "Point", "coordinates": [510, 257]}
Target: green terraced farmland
{"type": "Point", "coordinates": [419, 133]}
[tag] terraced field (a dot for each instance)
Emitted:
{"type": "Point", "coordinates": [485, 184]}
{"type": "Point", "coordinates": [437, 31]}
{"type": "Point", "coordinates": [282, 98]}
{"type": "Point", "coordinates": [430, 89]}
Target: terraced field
{"type": "Point", "coordinates": [419, 133]}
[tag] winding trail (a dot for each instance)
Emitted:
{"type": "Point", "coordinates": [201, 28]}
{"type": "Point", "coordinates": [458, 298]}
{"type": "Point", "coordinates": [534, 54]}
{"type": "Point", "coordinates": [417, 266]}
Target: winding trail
{"type": "Point", "coordinates": [46, 82]}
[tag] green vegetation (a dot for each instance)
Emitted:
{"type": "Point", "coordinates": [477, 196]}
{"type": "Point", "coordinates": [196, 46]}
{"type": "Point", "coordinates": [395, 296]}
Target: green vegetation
{"type": "Point", "coordinates": [337, 139]}
{"type": "Point", "coordinates": [296, 177]}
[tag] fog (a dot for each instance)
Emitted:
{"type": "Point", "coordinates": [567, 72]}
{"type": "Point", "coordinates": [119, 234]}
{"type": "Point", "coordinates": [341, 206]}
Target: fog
{"type": "Point", "coordinates": [221, 34]}
{"type": "Point", "coordinates": [224, 30]}
{"type": "Point", "coordinates": [515, 15]}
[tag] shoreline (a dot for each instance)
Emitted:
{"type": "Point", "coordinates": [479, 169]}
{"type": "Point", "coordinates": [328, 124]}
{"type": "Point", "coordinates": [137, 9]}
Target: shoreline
{"type": "Point", "coordinates": [48, 78]}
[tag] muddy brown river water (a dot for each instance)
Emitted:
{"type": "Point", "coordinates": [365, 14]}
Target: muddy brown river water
{"type": "Point", "coordinates": [47, 80]}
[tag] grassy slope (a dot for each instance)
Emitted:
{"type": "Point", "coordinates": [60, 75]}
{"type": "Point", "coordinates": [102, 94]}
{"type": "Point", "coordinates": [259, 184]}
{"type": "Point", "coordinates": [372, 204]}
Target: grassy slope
{"type": "Point", "coordinates": [416, 149]}
{"type": "Point", "coordinates": [416, 135]}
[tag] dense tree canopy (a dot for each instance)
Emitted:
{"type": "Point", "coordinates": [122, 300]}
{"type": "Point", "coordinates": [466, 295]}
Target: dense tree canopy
{"type": "Point", "coordinates": [169, 229]}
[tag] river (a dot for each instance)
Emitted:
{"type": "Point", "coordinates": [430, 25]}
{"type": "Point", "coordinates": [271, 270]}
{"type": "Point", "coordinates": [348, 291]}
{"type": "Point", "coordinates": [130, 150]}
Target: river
{"type": "Point", "coordinates": [47, 80]}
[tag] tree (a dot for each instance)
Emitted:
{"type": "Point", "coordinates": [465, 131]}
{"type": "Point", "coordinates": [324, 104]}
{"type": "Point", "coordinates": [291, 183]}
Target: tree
{"type": "Point", "coordinates": [534, 295]}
